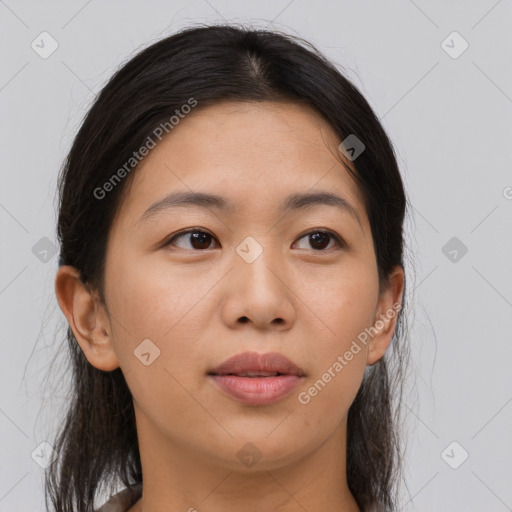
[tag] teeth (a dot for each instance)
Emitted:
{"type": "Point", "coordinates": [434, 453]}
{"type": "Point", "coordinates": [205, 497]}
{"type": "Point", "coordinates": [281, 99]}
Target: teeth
{"type": "Point", "coordinates": [258, 374]}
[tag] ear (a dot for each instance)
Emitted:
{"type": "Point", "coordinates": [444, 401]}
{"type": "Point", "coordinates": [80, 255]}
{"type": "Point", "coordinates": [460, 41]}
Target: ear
{"type": "Point", "coordinates": [87, 319]}
{"type": "Point", "coordinates": [389, 304]}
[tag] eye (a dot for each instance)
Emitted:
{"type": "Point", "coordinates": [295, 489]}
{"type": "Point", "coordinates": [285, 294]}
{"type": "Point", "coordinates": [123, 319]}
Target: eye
{"type": "Point", "coordinates": [201, 240]}
{"type": "Point", "coordinates": [198, 239]}
{"type": "Point", "coordinates": [319, 239]}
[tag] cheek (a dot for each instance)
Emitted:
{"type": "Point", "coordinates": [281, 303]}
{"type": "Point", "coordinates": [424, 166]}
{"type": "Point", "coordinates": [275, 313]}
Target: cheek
{"type": "Point", "coordinates": [344, 307]}
{"type": "Point", "coordinates": [339, 357]}
{"type": "Point", "coordinates": [166, 306]}
{"type": "Point", "coordinates": [344, 299]}
{"type": "Point", "coordinates": [327, 396]}
{"type": "Point", "coordinates": [154, 301]}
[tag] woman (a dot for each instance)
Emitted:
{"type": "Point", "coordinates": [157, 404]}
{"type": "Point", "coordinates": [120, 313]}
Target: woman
{"type": "Point", "coordinates": [231, 216]}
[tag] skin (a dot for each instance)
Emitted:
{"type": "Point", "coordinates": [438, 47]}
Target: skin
{"type": "Point", "coordinates": [191, 303]}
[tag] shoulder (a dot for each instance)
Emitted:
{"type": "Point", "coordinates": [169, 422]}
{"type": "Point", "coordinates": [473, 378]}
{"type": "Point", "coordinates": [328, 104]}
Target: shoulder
{"type": "Point", "coordinates": [123, 500]}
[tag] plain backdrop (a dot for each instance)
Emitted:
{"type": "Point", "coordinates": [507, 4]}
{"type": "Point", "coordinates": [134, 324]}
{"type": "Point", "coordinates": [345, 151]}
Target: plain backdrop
{"type": "Point", "coordinates": [438, 76]}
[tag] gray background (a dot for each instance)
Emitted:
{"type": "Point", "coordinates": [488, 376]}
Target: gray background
{"type": "Point", "coordinates": [450, 121]}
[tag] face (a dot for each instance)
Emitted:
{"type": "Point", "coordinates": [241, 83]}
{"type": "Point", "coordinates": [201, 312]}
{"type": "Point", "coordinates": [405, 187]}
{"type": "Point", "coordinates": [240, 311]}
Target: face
{"type": "Point", "coordinates": [250, 277]}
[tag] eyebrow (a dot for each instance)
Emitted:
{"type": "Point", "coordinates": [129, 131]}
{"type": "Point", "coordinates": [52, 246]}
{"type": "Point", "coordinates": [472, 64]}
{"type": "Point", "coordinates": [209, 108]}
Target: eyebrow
{"type": "Point", "coordinates": [297, 201]}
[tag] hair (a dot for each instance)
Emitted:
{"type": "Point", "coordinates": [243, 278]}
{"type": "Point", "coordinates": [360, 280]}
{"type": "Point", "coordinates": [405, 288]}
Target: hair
{"type": "Point", "coordinates": [213, 63]}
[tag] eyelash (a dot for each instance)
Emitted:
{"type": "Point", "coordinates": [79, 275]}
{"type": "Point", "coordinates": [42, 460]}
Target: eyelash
{"type": "Point", "coordinates": [339, 241]}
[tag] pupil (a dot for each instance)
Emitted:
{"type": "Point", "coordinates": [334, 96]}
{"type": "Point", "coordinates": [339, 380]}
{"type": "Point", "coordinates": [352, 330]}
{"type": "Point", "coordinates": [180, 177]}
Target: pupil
{"type": "Point", "coordinates": [202, 238]}
{"type": "Point", "coordinates": [318, 237]}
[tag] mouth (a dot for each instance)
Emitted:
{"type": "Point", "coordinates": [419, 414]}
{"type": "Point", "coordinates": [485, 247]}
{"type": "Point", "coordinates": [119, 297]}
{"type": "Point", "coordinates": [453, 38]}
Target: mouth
{"type": "Point", "coordinates": [254, 364]}
{"type": "Point", "coordinates": [251, 374]}
{"type": "Point", "coordinates": [256, 389]}
{"type": "Point", "coordinates": [257, 379]}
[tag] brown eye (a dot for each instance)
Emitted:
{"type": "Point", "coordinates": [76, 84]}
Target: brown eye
{"type": "Point", "coordinates": [319, 240]}
{"type": "Point", "coordinates": [197, 239]}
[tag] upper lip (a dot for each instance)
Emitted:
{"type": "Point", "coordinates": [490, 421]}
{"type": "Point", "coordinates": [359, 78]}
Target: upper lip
{"type": "Point", "coordinates": [270, 362]}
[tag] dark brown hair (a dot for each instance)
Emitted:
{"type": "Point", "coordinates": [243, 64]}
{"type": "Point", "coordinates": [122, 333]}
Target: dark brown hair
{"type": "Point", "coordinates": [98, 440]}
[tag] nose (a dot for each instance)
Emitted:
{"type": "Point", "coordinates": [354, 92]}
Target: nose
{"type": "Point", "coordinates": [258, 293]}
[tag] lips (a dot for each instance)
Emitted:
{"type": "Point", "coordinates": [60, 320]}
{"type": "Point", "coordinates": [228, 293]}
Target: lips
{"type": "Point", "coordinates": [257, 379]}
{"type": "Point", "coordinates": [254, 364]}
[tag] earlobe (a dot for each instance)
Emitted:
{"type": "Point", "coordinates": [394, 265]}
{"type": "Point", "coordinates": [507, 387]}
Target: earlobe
{"type": "Point", "coordinates": [384, 325]}
{"type": "Point", "coordinates": [87, 319]}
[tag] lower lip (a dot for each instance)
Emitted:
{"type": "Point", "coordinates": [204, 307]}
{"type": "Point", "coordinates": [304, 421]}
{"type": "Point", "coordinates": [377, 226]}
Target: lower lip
{"type": "Point", "coordinates": [257, 390]}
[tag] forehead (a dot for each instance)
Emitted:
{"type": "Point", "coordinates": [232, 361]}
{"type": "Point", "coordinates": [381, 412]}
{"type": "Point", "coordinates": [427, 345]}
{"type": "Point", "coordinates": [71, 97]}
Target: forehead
{"type": "Point", "coordinates": [252, 153]}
